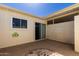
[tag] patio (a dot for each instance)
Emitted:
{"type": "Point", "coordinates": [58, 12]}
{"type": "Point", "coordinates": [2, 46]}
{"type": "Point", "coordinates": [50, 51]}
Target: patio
{"type": "Point", "coordinates": [58, 48]}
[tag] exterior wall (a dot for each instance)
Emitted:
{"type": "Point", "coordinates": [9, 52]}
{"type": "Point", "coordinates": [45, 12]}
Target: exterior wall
{"type": "Point", "coordinates": [76, 30]}
{"type": "Point", "coordinates": [63, 32]}
{"type": "Point", "coordinates": [6, 30]}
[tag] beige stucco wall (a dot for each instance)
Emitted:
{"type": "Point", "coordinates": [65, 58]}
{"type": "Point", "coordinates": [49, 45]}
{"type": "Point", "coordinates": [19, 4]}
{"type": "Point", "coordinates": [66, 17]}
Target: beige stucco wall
{"type": "Point", "coordinates": [76, 30]}
{"type": "Point", "coordinates": [63, 32]}
{"type": "Point", "coordinates": [6, 30]}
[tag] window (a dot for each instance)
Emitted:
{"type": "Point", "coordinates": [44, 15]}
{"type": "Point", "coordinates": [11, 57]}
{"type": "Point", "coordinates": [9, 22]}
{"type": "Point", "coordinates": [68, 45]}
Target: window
{"type": "Point", "coordinates": [19, 23]}
{"type": "Point", "coordinates": [64, 19]}
{"type": "Point", "coordinates": [23, 24]}
{"type": "Point", "coordinates": [50, 22]}
{"type": "Point", "coordinates": [16, 23]}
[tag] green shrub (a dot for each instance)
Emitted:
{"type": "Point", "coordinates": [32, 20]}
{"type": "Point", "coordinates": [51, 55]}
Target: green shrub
{"type": "Point", "coordinates": [15, 34]}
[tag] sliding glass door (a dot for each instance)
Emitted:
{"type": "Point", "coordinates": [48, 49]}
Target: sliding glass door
{"type": "Point", "coordinates": [43, 31]}
{"type": "Point", "coordinates": [37, 31]}
{"type": "Point", "coordinates": [40, 31]}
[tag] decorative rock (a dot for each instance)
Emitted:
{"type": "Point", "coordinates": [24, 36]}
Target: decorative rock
{"type": "Point", "coordinates": [43, 52]}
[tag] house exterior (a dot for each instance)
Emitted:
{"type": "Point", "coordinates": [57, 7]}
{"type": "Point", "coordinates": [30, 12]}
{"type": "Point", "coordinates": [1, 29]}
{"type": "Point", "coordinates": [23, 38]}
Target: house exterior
{"type": "Point", "coordinates": [61, 26]}
{"type": "Point", "coordinates": [26, 35]}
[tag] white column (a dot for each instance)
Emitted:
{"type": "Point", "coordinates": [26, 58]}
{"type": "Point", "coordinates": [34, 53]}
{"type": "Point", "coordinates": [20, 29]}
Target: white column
{"type": "Point", "coordinates": [76, 33]}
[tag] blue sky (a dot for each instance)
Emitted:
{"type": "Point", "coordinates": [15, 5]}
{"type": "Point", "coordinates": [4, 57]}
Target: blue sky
{"type": "Point", "coordinates": [39, 9]}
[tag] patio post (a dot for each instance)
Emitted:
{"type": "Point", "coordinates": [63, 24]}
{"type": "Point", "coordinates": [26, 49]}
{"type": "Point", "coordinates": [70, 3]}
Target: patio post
{"type": "Point", "coordinates": [76, 33]}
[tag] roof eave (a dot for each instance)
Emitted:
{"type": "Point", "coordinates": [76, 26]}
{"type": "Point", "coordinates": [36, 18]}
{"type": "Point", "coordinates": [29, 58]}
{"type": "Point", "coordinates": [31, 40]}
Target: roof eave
{"type": "Point", "coordinates": [16, 10]}
{"type": "Point", "coordinates": [63, 10]}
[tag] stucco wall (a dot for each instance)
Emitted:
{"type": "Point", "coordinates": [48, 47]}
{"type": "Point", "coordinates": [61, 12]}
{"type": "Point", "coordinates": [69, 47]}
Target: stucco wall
{"type": "Point", "coordinates": [6, 30]}
{"type": "Point", "coordinates": [63, 32]}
